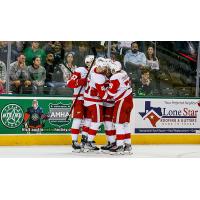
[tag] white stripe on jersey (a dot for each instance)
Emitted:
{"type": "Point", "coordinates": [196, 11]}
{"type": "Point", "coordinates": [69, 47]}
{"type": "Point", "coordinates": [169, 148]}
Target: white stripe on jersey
{"type": "Point", "coordinates": [98, 112]}
{"type": "Point", "coordinates": [119, 110]}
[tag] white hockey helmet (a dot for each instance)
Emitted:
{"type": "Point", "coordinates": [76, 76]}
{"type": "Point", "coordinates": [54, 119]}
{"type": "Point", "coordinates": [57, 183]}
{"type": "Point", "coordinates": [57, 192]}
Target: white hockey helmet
{"type": "Point", "coordinates": [115, 67]}
{"type": "Point", "coordinates": [108, 61]}
{"type": "Point", "coordinates": [88, 60]}
{"type": "Point", "coordinates": [101, 62]}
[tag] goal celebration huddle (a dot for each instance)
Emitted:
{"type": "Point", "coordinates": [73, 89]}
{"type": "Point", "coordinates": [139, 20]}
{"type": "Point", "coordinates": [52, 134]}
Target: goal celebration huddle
{"type": "Point", "coordinates": [103, 95]}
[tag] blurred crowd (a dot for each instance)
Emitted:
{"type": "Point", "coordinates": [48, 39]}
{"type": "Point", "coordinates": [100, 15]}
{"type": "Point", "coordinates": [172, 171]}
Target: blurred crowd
{"type": "Point", "coordinates": [44, 67]}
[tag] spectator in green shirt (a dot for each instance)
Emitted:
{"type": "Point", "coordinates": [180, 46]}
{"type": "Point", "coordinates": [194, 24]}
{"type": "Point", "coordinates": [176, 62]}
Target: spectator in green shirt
{"type": "Point", "coordinates": [37, 75]}
{"type": "Point", "coordinates": [34, 51]}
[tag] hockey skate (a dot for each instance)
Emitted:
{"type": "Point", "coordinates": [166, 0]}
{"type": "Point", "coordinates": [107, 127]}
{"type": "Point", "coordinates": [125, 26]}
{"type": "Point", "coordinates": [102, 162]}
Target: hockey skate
{"type": "Point", "coordinates": [128, 149]}
{"type": "Point", "coordinates": [91, 147]}
{"type": "Point", "coordinates": [83, 142]}
{"type": "Point", "coordinates": [106, 148]}
{"type": "Point", "coordinates": [76, 147]}
{"type": "Point", "coordinates": [117, 150]}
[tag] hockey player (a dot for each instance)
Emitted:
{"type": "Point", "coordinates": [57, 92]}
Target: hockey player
{"type": "Point", "coordinates": [34, 118]}
{"type": "Point", "coordinates": [108, 108]}
{"type": "Point", "coordinates": [93, 100]}
{"type": "Point", "coordinates": [121, 91]}
{"type": "Point", "coordinates": [76, 81]}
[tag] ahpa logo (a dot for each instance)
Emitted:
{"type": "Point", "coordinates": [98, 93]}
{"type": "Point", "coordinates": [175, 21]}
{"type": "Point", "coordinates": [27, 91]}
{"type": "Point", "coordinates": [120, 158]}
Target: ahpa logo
{"type": "Point", "coordinates": [153, 114]}
{"type": "Point", "coordinates": [59, 113]}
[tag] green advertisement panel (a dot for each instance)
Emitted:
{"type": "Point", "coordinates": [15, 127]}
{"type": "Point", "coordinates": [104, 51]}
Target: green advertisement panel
{"type": "Point", "coordinates": [18, 115]}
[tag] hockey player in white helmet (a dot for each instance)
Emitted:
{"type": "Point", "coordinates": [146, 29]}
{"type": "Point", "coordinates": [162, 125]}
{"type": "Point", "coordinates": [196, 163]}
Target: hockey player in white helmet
{"type": "Point", "coordinates": [76, 81]}
{"type": "Point", "coordinates": [108, 108]}
{"type": "Point", "coordinates": [120, 90]}
{"type": "Point", "coordinates": [93, 96]}
{"type": "Point", "coordinates": [87, 120]}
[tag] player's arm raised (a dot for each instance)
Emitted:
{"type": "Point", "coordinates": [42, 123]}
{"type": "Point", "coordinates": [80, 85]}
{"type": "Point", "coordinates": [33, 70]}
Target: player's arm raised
{"type": "Point", "coordinates": [76, 80]}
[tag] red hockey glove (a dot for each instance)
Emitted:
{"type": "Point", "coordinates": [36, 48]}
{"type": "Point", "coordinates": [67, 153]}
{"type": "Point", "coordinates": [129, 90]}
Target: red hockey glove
{"type": "Point", "coordinates": [82, 82]}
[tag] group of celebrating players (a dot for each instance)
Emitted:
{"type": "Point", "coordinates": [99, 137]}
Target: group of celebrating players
{"type": "Point", "coordinates": [105, 97]}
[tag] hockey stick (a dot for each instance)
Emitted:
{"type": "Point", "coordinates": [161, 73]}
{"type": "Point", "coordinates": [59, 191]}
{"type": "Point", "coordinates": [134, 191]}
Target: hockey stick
{"type": "Point", "coordinates": [95, 54]}
{"type": "Point", "coordinates": [69, 69]}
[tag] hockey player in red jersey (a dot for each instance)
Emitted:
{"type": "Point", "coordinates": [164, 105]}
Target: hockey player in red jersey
{"type": "Point", "coordinates": [121, 91]}
{"type": "Point", "coordinates": [76, 81]}
{"type": "Point", "coordinates": [108, 108]}
{"type": "Point", "coordinates": [93, 96]}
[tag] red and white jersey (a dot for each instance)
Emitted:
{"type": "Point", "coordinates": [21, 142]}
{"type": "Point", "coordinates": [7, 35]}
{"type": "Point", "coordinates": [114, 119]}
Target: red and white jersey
{"type": "Point", "coordinates": [119, 86]}
{"type": "Point", "coordinates": [95, 90]}
{"type": "Point", "coordinates": [108, 102]}
{"type": "Point", "coordinates": [80, 73]}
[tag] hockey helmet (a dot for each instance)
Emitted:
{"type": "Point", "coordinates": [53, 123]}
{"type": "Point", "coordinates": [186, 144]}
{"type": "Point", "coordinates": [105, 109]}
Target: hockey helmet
{"type": "Point", "coordinates": [115, 67]}
{"type": "Point", "coordinates": [88, 60]}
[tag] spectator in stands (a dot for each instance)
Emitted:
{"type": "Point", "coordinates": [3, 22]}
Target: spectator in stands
{"type": "Point", "coordinates": [124, 46]}
{"type": "Point", "coordinates": [49, 67]}
{"type": "Point", "coordinates": [19, 75]}
{"type": "Point", "coordinates": [100, 49]}
{"type": "Point", "coordinates": [82, 51]}
{"type": "Point", "coordinates": [48, 47]}
{"type": "Point", "coordinates": [63, 71]}
{"type": "Point", "coordinates": [69, 64]}
{"type": "Point", "coordinates": [37, 75]}
{"type": "Point", "coordinates": [68, 47]}
{"type": "Point", "coordinates": [2, 76]}
{"type": "Point", "coordinates": [153, 63]}
{"type": "Point", "coordinates": [134, 57]}
{"type": "Point", "coordinates": [58, 52]}
{"type": "Point", "coordinates": [134, 62]}
{"type": "Point", "coordinates": [34, 51]}
{"type": "Point", "coordinates": [145, 86]}
{"type": "Point", "coordinates": [4, 52]}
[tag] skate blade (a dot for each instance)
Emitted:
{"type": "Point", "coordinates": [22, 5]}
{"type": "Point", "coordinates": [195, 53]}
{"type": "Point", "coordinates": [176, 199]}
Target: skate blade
{"type": "Point", "coordinates": [94, 151]}
{"type": "Point", "coordinates": [105, 151]}
{"type": "Point", "coordinates": [84, 150]}
{"type": "Point", "coordinates": [116, 153]}
{"type": "Point", "coordinates": [76, 150]}
{"type": "Point", "coordinates": [128, 152]}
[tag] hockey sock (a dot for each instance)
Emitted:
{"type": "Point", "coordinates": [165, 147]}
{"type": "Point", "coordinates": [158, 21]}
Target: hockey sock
{"type": "Point", "coordinates": [75, 129]}
{"type": "Point", "coordinates": [120, 134]}
{"type": "Point", "coordinates": [110, 132]}
{"type": "Point", "coordinates": [127, 136]}
{"type": "Point", "coordinates": [93, 130]}
{"type": "Point", "coordinates": [86, 126]}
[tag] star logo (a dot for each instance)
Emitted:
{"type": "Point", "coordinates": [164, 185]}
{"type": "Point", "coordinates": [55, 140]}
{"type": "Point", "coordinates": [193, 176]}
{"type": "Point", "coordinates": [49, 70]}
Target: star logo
{"type": "Point", "coordinates": [12, 116]}
{"type": "Point", "coordinates": [153, 118]}
{"type": "Point", "coordinates": [153, 114]}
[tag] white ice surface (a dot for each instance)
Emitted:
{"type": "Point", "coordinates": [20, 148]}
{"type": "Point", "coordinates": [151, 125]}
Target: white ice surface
{"type": "Point", "coordinates": [139, 151]}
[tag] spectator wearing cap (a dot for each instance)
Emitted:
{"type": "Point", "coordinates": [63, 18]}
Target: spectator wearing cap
{"type": "Point", "coordinates": [37, 75]}
{"type": "Point", "coordinates": [19, 74]}
{"type": "Point", "coordinates": [34, 51]}
{"type": "Point", "coordinates": [2, 76]}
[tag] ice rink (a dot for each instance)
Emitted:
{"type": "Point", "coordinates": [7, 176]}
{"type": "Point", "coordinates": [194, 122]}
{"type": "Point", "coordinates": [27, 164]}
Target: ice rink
{"type": "Point", "coordinates": [139, 151]}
